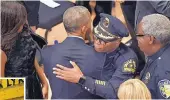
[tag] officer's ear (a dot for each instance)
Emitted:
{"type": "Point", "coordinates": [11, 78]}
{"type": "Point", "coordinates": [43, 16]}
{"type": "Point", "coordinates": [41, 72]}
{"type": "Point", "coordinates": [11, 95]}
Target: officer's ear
{"type": "Point", "coordinates": [151, 40]}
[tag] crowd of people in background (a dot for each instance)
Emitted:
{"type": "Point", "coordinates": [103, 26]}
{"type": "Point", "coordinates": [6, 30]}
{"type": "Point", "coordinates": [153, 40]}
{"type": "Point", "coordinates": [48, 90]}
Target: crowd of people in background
{"type": "Point", "coordinates": [103, 67]}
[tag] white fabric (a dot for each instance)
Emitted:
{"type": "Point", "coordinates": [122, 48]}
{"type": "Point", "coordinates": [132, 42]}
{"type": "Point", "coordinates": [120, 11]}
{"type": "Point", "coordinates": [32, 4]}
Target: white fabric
{"type": "Point", "coordinates": [50, 3]}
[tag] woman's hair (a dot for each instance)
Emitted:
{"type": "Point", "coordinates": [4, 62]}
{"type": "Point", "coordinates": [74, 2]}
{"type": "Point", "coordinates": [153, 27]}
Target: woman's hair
{"type": "Point", "coordinates": [133, 89]}
{"type": "Point", "coordinates": [13, 16]}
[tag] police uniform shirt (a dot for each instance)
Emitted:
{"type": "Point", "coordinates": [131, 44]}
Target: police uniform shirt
{"type": "Point", "coordinates": [156, 74]}
{"type": "Point", "coordinates": [120, 65]}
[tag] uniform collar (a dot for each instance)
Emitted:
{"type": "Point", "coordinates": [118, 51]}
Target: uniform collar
{"type": "Point", "coordinates": [159, 53]}
{"type": "Point", "coordinates": [76, 40]}
{"type": "Point", "coordinates": [76, 37]}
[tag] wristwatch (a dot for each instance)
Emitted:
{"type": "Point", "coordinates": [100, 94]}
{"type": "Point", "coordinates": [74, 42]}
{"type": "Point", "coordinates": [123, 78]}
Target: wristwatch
{"type": "Point", "coordinates": [82, 80]}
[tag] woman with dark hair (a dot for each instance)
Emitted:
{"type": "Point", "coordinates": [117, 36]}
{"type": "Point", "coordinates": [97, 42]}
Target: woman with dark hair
{"type": "Point", "coordinates": [20, 49]}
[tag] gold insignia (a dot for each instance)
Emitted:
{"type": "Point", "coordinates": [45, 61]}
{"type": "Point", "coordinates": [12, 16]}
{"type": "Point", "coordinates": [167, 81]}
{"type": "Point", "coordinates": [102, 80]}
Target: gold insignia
{"type": "Point", "coordinates": [100, 82]}
{"type": "Point", "coordinates": [106, 22]}
{"type": "Point", "coordinates": [109, 36]}
{"type": "Point", "coordinates": [164, 87]}
{"type": "Point", "coordinates": [129, 66]}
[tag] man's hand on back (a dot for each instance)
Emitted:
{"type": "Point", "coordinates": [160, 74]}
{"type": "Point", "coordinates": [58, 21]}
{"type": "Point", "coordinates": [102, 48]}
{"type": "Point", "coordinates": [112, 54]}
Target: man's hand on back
{"type": "Point", "coordinates": [68, 74]}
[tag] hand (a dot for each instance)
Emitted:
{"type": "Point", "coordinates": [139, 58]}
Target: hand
{"type": "Point", "coordinates": [68, 74]}
{"type": "Point", "coordinates": [45, 91]}
{"type": "Point", "coordinates": [120, 1]}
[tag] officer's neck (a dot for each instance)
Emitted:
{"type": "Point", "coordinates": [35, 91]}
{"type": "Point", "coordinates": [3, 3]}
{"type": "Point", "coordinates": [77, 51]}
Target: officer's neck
{"type": "Point", "coordinates": [112, 49]}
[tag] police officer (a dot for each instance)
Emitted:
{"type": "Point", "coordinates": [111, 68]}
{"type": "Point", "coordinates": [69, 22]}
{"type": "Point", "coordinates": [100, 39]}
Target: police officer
{"type": "Point", "coordinates": [120, 62]}
{"type": "Point", "coordinates": [153, 39]}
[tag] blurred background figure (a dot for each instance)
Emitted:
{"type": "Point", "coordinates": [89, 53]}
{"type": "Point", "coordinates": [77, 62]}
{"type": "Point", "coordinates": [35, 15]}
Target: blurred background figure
{"type": "Point", "coordinates": [144, 8]}
{"type": "Point", "coordinates": [96, 7]}
{"type": "Point", "coordinates": [133, 89]}
{"type": "Point", "coordinates": [32, 8]}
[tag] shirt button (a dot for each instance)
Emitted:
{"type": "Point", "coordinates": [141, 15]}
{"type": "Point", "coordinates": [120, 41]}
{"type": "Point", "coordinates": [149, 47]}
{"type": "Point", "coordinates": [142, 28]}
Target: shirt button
{"type": "Point", "coordinates": [88, 89]}
{"type": "Point", "coordinates": [85, 88]}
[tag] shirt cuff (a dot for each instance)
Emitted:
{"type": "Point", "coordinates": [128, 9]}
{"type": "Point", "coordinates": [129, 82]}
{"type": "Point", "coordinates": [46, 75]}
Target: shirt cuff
{"type": "Point", "coordinates": [89, 85]}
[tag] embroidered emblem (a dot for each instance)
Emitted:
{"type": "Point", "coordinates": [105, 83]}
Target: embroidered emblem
{"type": "Point", "coordinates": [164, 87]}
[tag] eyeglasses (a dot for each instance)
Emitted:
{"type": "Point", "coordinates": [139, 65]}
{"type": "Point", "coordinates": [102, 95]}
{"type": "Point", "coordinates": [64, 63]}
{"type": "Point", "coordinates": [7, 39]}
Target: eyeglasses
{"type": "Point", "coordinates": [140, 35]}
{"type": "Point", "coordinates": [100, 40]}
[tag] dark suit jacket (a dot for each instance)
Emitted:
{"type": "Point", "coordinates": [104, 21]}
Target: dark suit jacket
{"type": "Point", "coordinates": [74, 49]}
{"type": "Point", "coordinates": [144, 8]}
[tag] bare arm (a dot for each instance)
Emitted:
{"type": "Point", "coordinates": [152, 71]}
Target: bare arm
{"type": "Point", "coordinates": [3, 62]}
{"type": "Point", "coordinates": [42, 78]}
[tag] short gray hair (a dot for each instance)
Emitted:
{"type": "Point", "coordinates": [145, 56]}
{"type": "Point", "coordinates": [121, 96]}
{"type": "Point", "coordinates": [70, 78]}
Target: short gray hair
{"type": "Point", "coordinates": [75, 17]}
{"type": "Point", "coordinates": [158, 26]}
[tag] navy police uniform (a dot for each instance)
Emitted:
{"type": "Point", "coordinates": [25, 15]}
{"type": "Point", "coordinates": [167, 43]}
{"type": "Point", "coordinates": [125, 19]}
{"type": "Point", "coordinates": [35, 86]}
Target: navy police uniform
{"type": "Point", "coordinates": [120, 65]}
{"type": "Point", "coordinates": [156, 74]}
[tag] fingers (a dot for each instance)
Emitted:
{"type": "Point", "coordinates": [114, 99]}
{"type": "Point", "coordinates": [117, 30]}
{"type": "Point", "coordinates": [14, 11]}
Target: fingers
{"type": "Point", "coordinates": [63, 78]}
{"type": "Point", "coordinates": [46, 96]}
{"type": "Point", "coordinates": [59, 72]}
{"type": "Point", "coordinates": [60, 77]}
{"type": "Point", "coordinates": [62, 67]}
{"type": "Point", "coordinates": [45, 93]}
{"type": "Point", "coordinates": [74, 64]}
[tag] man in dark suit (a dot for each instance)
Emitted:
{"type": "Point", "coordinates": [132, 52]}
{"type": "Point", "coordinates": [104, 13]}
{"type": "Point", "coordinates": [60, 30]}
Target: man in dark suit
{"type": "Point", "coordinates": [77, 23]}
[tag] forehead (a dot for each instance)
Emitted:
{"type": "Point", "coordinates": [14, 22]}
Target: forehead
{"type": "Point", "coordinates": [139, 28]}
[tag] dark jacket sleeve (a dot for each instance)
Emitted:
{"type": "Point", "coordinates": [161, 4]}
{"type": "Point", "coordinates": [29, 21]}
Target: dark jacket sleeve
{"type": "Point", "coordinates": [108, 89]}
{"type": "Point", "coordinates": [162, 7]}
{"type": "Point", "coordinates": [32, 8]}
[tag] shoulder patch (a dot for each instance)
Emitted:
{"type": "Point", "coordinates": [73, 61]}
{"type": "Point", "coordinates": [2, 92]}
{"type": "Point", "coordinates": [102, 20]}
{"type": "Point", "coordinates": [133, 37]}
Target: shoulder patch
{"type": "Point", "coordinates": [129, 66]}
{"type": "Point", "coordinates": [164, 87]}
